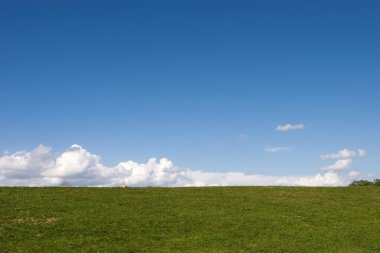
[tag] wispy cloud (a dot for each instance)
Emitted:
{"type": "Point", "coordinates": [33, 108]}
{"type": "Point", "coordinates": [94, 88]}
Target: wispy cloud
{"type": "Point", "coordinates": [277, 149]}
{"type": "Point", "coordinates": [289, 127]}
{"type": "Point", "coordinates": [345, 154]}
{"type": "Point", "coordinates": [42, 167]}
{"type": "Point", "coordinates": [243, 137]}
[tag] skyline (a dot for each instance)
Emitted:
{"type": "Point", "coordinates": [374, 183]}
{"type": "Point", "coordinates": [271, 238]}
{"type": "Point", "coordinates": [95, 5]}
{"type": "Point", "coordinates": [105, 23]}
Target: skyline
{"type": "Point", "coordinates": [265, 88]}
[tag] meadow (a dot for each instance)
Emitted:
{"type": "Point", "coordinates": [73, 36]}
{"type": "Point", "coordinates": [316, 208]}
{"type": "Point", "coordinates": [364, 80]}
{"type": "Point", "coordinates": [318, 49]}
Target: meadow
{"type": "Point", "coordinates": [215, 219]}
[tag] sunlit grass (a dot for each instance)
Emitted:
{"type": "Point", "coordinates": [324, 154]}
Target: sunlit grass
{"type": "Point", "coordinates": [220, 219]}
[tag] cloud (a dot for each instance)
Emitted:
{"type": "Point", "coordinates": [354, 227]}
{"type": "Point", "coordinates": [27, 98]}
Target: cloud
{"type": "Point", "coordinates": [277, 149]}
{"type": "Point", "coordinates": [41, 167]}
{"type": "Point", "coordinates": [289, 127]}
{"type": "Point", "coordinates": [25, 164]}
{"type": "Point", "coordinates": [345, 154]}
{"type": "Point", "coordinates": [243, 137]}
{"type": "Point", "coordinates": [242, 179]}
{"type": "Point", "coordinates": [353, 174]}
{"type": "Point", "coordinates": [81, 168]}
{"type": "Point", "coordinates": [327, 179]}
{"type": "Point", "coordinates": [339, 165]}
{"type": "Point", "coordinates": [344, 158]}
{"type": "Point", "coordinates": [73, 161]}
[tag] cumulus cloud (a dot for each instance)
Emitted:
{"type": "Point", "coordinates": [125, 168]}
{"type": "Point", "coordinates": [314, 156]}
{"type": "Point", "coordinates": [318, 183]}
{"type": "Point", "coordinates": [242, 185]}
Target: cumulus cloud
{"type": "Point", "coordinates": [289, 127]}
{"type": "Point", "coordinates": [277, 149]}
{"type": "Point", "coordinates": [345, 154]}
{"type": "Point", "coordinates": [339, 165]}
{"type": "Point", "coordinates": [26, 164]}
{"type": "Point", "coordinates": [73, 161]}
{"type": "Point", "coordinates": [41, 167]}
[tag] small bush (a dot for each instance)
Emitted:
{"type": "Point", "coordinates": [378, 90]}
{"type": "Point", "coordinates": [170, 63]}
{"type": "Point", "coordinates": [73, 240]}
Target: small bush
{"type": "Point", "coordinates": [64, 183]}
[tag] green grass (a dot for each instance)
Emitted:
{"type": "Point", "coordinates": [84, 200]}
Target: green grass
{"type": "Point", "coordinates": [220, 219]}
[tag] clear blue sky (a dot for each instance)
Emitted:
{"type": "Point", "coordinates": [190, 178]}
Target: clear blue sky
{"type": "Point", "coordinates": [185, 79]}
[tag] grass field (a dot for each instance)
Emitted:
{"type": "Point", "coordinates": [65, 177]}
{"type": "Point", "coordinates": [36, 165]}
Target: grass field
{"type": "Point", "coordinates": [220, 219]}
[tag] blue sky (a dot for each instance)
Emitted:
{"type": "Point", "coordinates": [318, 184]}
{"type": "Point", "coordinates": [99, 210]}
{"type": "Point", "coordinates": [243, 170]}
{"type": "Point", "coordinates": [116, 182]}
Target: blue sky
{"type": "Point", "coordinates": [204, 83]}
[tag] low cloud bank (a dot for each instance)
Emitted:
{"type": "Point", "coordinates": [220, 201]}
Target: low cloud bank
{"type": "Point", "coordinates": [78, 167]}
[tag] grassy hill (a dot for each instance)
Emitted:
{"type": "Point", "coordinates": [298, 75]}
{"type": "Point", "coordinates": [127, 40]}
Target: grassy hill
{"type": "Point", "coordinates": [220, 219]}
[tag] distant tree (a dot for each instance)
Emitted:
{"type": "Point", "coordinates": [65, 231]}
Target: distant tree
{"type": "Point", "coordinates": [375, 182]}
{"type": "Point", "coordinates": [64, 183]}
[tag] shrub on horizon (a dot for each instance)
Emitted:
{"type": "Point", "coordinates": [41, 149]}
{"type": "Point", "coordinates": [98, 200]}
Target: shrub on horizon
{"type": "Point", "coordinates": [375, 182]}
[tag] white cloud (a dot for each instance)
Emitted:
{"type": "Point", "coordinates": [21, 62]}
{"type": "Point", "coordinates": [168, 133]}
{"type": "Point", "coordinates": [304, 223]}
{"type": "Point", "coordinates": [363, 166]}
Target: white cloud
{"type": "Point", "coordinates": [344, 159]}
{"type": "Point", "coordinates": [361, 152]}
{"type": "Point", "coordinates": [345, 154]}
{"type": "Point", "coordinates": [277, 149]}
{"type": "Point", "coordinates": [353, 174]}
{"type": "Point", "coordinates": [73, 161]}
{"type": "Point", "coordinates": [242, 179]}
{"type": "Point", "coordinates": [26, 164]}
{"type": "Point", "coordinates": [339, 165]}
{"type": "Point", "coordinates": [327, 179]}
{"type": "Point", "coordinates": [41, 167]}
{"type": "Point", "coordinates": [289, 127]}
{"type": "Point", "coordinates": [243, 137]}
